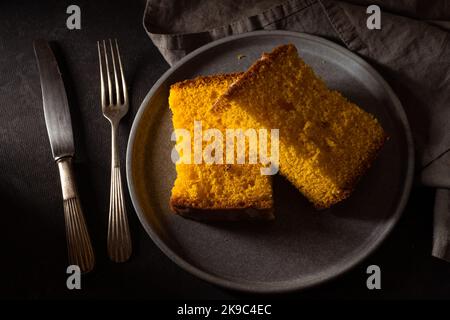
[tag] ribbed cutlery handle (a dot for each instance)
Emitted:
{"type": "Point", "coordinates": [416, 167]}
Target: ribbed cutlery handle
{"type": "Point", "coordinates": [119, 240]}
{"type": "Point", "coordinates": [78, 241]}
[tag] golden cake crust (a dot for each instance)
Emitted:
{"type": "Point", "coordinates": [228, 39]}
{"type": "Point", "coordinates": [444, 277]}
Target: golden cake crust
{"type": "Point", "coordinates": [251, 73]}
{"type": "Point", "coordinates": [223, 214]}
{"type": "Point", "coordinates": [205, 80]}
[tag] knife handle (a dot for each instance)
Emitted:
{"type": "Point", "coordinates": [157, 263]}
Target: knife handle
{"type": "Point", "coordinates": [78, 241]}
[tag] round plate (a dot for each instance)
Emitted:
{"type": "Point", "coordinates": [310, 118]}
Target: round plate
{"type": "Point", "coordinates": [301, 247]}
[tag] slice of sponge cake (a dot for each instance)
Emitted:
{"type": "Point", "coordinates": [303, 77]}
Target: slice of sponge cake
{"type": "Point", "coordinates": [215, 191]}
{"type": "Point", "coordinates": [326, 142]}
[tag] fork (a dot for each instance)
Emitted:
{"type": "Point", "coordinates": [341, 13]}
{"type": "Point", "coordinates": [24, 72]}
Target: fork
{"type": "Point", "coordinates": [114, 108]}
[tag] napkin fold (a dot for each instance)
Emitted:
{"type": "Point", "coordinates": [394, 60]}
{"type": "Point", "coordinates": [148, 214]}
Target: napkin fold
{"type": "Point", "coordinates": [411, 51]}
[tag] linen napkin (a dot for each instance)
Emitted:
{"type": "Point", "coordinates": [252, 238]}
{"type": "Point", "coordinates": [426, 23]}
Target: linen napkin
{"type": "Point", "coordinates": [411, 51]}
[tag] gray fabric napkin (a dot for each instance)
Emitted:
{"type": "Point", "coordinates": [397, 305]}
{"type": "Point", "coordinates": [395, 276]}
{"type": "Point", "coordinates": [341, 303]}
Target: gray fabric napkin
{"type": "Point", "coordinates": [411, 51]}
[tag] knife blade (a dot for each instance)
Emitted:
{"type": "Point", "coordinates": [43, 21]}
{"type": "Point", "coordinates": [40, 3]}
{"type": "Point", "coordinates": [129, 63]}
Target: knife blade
{"type": "Point", "coordinates": [59, 129]}
{"type": "Point", "coordinates": [56, 106]}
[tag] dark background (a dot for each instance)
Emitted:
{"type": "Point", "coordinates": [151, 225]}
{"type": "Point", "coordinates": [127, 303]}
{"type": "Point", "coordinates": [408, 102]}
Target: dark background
{"type": "Point", "coordinates": [32, 237]}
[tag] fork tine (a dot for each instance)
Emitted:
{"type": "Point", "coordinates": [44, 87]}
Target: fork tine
{"type": "Point", "coordinates": [124, 85]}
{"type": "Point", "coordinates": [107, 72]}
{"type": "Point", "coordinates": [102, 80]}
{"type": "Point", "coordinates": [116, 80]}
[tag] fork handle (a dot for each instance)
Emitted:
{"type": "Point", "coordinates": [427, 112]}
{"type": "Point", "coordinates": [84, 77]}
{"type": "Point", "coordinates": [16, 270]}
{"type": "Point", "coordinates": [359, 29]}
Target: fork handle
{"type": "Point", "coordinates": [119, 240]}
{"type": "Point", "coordinates": [78, 241]}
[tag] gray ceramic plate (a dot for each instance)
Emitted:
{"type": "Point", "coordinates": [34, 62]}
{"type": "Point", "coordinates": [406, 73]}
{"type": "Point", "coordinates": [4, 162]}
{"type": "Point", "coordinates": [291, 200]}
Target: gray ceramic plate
{"type": "Point", "coordinates": [302, 247]}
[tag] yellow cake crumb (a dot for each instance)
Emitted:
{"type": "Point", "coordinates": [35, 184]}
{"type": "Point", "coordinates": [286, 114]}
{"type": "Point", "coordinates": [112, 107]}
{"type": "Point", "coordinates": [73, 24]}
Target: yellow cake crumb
{"type": "Point", "coordinates": [214, 186]}
{"type": "Point", "coordinates": [326, 141]}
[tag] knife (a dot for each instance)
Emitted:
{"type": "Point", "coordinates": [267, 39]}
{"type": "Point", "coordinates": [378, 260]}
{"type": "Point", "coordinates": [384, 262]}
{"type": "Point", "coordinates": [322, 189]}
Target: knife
{"type": "Point", "coordinates": [59, 128]}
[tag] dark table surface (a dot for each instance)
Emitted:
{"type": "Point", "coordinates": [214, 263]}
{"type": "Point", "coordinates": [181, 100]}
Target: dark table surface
{"type": "Point", "coordinates": [32, 238]}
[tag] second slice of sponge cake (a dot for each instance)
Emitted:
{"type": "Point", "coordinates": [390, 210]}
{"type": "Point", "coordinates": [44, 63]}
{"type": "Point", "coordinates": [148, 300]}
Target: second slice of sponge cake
{"type": "Point", "coordinates": [215, 191]}
{"type": "Point", "coordinates": [326, 142]}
